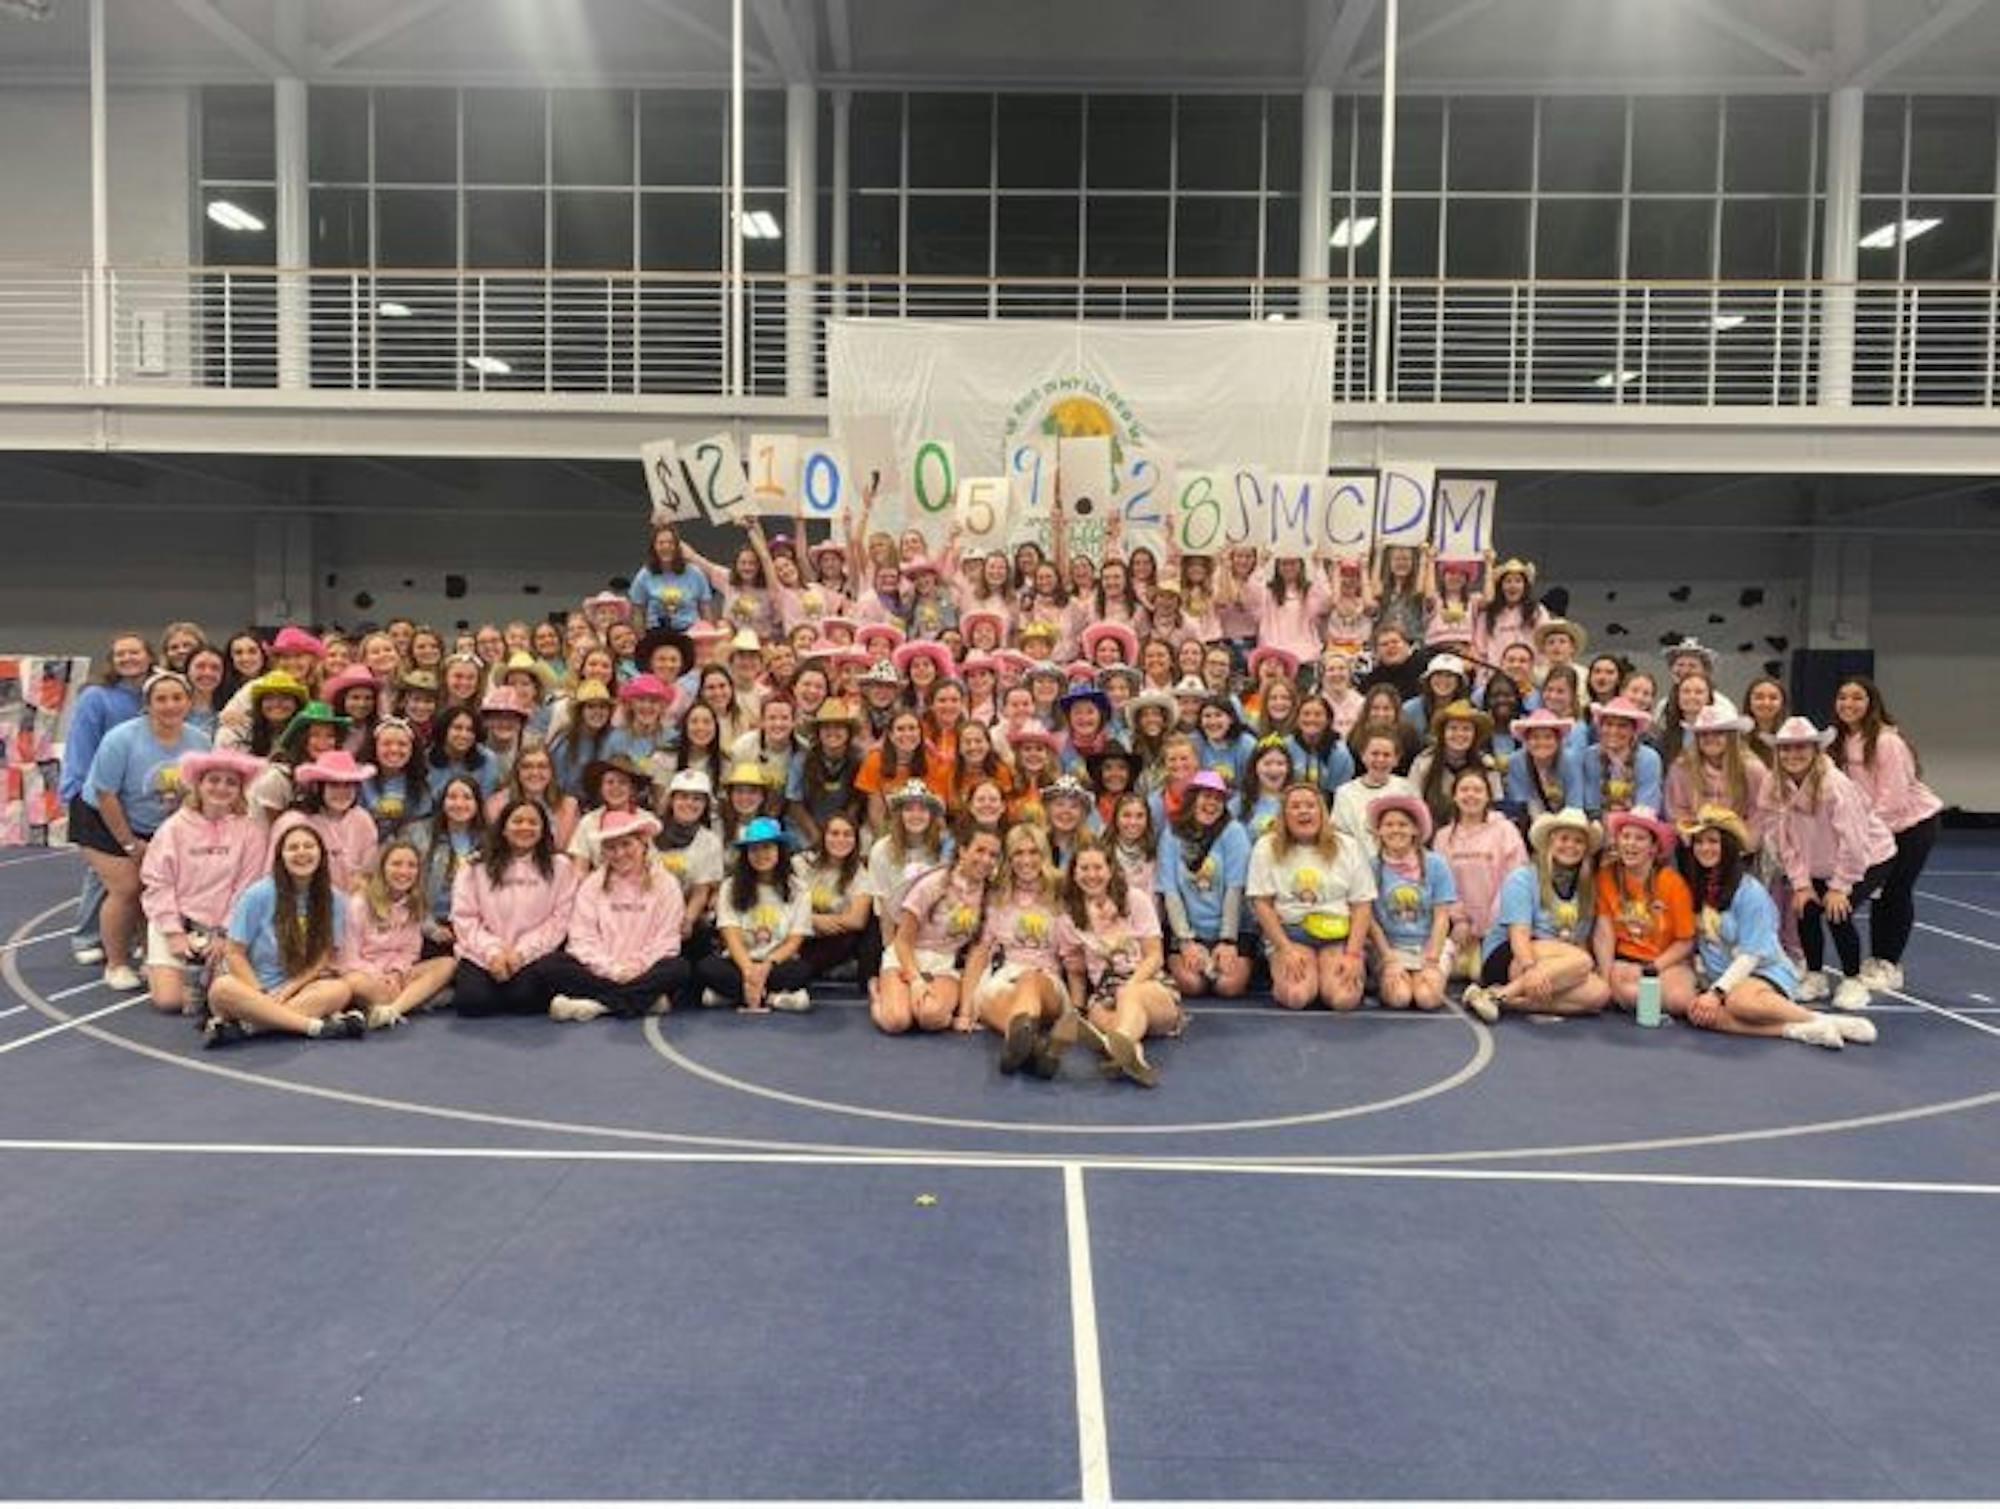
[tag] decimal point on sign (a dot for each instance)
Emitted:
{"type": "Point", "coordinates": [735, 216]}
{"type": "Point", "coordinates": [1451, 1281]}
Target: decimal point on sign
{"type": "Point", "coordinates": [1085, 508]}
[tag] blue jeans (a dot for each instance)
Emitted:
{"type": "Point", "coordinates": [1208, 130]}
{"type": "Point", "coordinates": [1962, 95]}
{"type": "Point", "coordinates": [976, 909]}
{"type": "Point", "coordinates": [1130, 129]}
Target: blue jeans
{"type": "Point", "coordinates": [89, 902]}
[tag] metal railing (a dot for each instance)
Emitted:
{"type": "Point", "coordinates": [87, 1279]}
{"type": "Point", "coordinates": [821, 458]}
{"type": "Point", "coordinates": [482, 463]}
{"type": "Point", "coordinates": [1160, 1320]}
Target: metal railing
{"type": "Point", "coordinates": [1651, 344]}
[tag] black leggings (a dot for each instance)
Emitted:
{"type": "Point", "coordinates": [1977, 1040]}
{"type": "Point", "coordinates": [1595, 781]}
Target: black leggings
{"type": "Point", "coordinates": [863, 946]}
{"type": "Point", "coordinates": [718, 972]}
{"type": "Point", "coordinates": [1895, 911]}
{"type": "Point", "coordinates": [1846, 936]}
{"type": "Point", "coordinates": [635, 997]}
{"type": "Point", "coordinates": [476, 993]}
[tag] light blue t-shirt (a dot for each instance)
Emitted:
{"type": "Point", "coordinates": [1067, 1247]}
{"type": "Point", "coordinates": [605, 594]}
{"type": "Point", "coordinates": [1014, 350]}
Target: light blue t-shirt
{"type": "Point", "coordinates": [1520, 904]}
{"type": "Point", "coordinates": [1226, 867]}
{"type": "Point", "coordinates": [672, 599]}
{"type": "Point", "coordinates": [143, 773]}
{"type": "Point", "coordinates": [1748, 926]}
{"type": "Point", "coordinates": [1407, 907]}
{"type": "Point", "coordinates": [252, 923]}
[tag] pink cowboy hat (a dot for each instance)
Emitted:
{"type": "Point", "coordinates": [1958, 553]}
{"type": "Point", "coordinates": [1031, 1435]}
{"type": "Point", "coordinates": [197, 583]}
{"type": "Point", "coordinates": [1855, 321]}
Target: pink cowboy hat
{"type": "Point", "coordinates": [995, 621]}
{"type": "Point", "coordinates": [1664, 836]}
{"type": "Point", "coordinates": [230, 761]}
{"type": "Point", "coordinates": [1797, 730]}
{"type": "Point", "coordinates": [1620, 706]}
{"type": "Point", "coordinates": [633, 824]}
{"type": "Point", "coordinates": [645, 684]}
{"type": "Point", "coordinates": [1541, 717]}
{"type": "Point", "coordinates": [923, 649]}
{"type": "Point", "coordinates": [1412, 807]}
{"type": "Point", "coordinates": [1126, 640]}
{"type": "Point", "coordinates": [1266, 653]}
{"type": "Point", "coordinates": [292, 640]}
{"type": "Point", "coordinates": [337, 768]}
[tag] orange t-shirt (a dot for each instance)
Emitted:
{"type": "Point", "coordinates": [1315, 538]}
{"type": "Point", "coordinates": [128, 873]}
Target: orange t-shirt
{"type": "Point", "coordinates": [1646, 922]}
{"type": "Point", "coordinates": [871, 780]}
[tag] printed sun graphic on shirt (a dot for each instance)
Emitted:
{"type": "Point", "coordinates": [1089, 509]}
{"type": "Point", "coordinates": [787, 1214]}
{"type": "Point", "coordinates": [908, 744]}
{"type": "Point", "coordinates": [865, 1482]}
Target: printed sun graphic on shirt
{"type": "Point", "coordinates": [1710, 923]}
{"type": "Point", "coordinates": [761, 925]}
{"type": "Point", "coordinates": [1617, 792]}
{"type": "Point", "coordinates": [824, 897]}
{"type": "Point", "coordinates": [165, 779]}
{"type": "Point", "coordinates": [813, 603]}
{"type": "Point", "coordinates": [742, 610]}
{"type": "Point", "coordinates": [1306, 882]}
{"type": "Point", "coordinates": [1635, 917]}
{"type": "Point", "coordinates": [1405, 902]}
{"type": "Point", "coordinates": [1566, 915]}
{"type": "Point", "coordinates": [390, 807]}
{"type": "Point", "coordinates": [674, 862]}
{"type": "Point", "coordinates": [670, 597]}
{"type": "Point", "coordinates": [1263, 823]}
{"type": "Point", "coordinates": [1204, 878]}
{"type": "Point", "coordinates": [961, 920]}
{"type": "Point", "coordinates": [1032, 928]}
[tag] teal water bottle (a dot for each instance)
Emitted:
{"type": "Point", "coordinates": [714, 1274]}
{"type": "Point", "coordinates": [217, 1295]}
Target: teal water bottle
{"type": "Point", "coordinates": [1648, 1008]}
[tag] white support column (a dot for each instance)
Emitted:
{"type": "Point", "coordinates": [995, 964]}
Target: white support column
{"type": "Point", "coordinates": [801, 236]}
{"type": "Point", "coordinates": [1385, 233]}
{"type": "Point", "coordinates": [843, 114]}
{"type": "Point", "coordinates": [100, 208]}
{"type": "Point", "coordinates": [1315, 201]}
{"type": "Point", "coordinates": [288, 103]}
{"type": "Point", "coordinates": [737, 311]}
{"type": "Point", "coordinates": [1840, 241]}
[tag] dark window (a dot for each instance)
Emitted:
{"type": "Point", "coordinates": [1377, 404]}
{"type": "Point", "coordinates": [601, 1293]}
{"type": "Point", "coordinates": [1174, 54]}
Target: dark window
{"type": "Point", "coordinates": [1575, 238]}
{"type": "Point", "coordinates": [503, 229]}
{"type": "Point", "coordinates": [416, 228]}
{"type": "Point", "coordinates": [1343, 142]}
{"type": "Point", "coordinates": [1037, 237]}
{"type": "Point", "coordinates": [1484, 238]}
{"type": "Point", "coordinates": [764, 137]}
{"type": "Point", "coordinates": [1768, 146]}
{"type": "Point", "coordinates": [340, 228]}
{"type": "Point", "coordinates": [765, 253]}
{"type": "Point", "coordinates": [1368, 144]}
{"type": "Point", "coordinates": [1583, 145]}
{"type": "Point", "coordinates": [590, 136]}
{"type": "Point", "coordinates": [1883, 216]}
{"type": "Point", "coordinates": [680, 232]}
{"type": "Point", "coordinates": [951, 141]}
{"type": "Point", "coordinates": [1129, 141]}
{"type": "Point", "coordinates": [237, 133]}
{"type": "Point", "coordinates": [1882, 144]}
{"type": "Point", "coordinates": [1041, 140]}
{"type": "Point", "coordinates": [337, 135]}
{"type": "Point", "coordinates": [1419, 146]}
{"type": "Point", "coordinates": [1951, 146]}
{"type": "Point", "coordinates": [681, 137]}
{"type": "Point", "coordinates": [1282, 126]}
{"type": "Point", "coordinates": [1281, 236]}
{"type": "Point", "coordinates": [503, 136]}
{"type": "Point", "coordinates": [1765, 238]}
{"type": "Point", "coordinates": [874, 234]}
{"type": "Point", "coordinates": [1491, 144]}
{"type": "Point", "coordinates": [948, 234]}
{"type": "Point", "coordinates": [875, 141]}
{"type": "Point", "coordinates": [1215, 238]}
{"type": "Point", "coordinates": [416, 136]}
{"type": "Point", "coordinates": [594, 231]}
{"type": "Point", "coordinates": [1125, 238]}
{"type": "Point", "coordinates": [1221, 141]}
{"type": "Point", "coordinates": [1670, 238]}
{"type": "Point", "coordinates": [1960, 246]}
{"type": "Point", "coordinates": [1673, 146]}
{"type": "Point", "coordinates": [1416, 233]}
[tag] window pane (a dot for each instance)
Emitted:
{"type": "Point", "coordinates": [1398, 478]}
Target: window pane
{"type": "Point", "coordinates": [503, 136]}
{"type": "Point", "coordinates": [223, 247]}
{"type": "Point", "coordinates": [340, 228]}
{"type": "Point", "coordinates": [764, 137]}
{"type": "Point", "coordinates": [1221, 141]}
{"type": "Point", "coordinates": [594, 231]}
{"type": "Point", "coordinates": [1583, 145]}
{"type": "Point", "coordinates": [765, 253]}
{"type": "Point", "coordinates": [1951, 146]}
{"type": "Point", "coordinates": [1281, 236]}
{"type": "Point", "coordinates": [1765, 238]}
{"type": "Point", "coordinates": [680, 232]}
{"type": "Point", "coordinates": [1575, 238]}
{"type": "Point", "coordinates": [1882, 144]}
{"type": "Point", "coordinates": [1490, 144]}
{"type": "Point", "coordinates": [1416, 252]}
{"type": "Point", "coordinates": [1484, 238]}
{"type": "Point", "coordinates": [1671, 238]}
{"type": "Point", "coordinates": [1343, 142]}
{"type": "Point", "coordinates": [1281, 142]}
{"type": "Point", "coordinates": [416, 136]}
{"type": "Point", "coordinates": [1878, 261]}
{"type": "Point", "coordinates": [590, 135]}
{"type": "Point", "coordinates": [1041, 140]}
{"type": "Point", "coordinates": [1368, 144]}
{"type": "Point", "coordinates": [948, 234]}
{"type": "Point", "coordinates": [1961, 246]}
{"type": "Point", "coordinates": [1419, 145]}
{"type": "Point", "coordinates": [1673, 145]}
{"type": "Point", "coordinates": [1125, 238]}
{"type": "Point", "coordinates": [875, 141]}
{"type": "Point", "coordinates": [1037, 237]}
{"type": "Point", "coordinates": [1215, 238]}
{"type": "Point", "coordinates": [237, 138]}
{"type": "Point", "coordinates": [337, 135]}
{"type": "Point", "coordinates": [681, 136]}
{"type": "Point", "coordinates": [874, 234]}
{"type": "Point", "coordinates": [1128, 141]}
{"type": "Point", "coordinates": [503, 229]}
{"type": "Point", "coordinates": [416, 228]}
{"type": "Point", "coordinates": [951, 141]}
{"type": "Point", "coordinates": [1768, 146]}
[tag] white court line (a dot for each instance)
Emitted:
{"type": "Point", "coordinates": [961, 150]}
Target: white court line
{"type": "Point", "coordinates": [1956, 1016]}
{"type": "Point", "coordinates": [1093, 1453]}
{"type": "Point", "coordinates": [13, 1010]}
{"type": "Point", "coordinates": [28, 859]}
{"type": "Point", "coordinates": [1966, 874]}
{"type": "Point", "coordinates": [1004, 1161]}
{"type": "Point", "coordinates": [1984, 911]}
{"type": "Point", "coordinates": [1945, 932]}
{"type": "Point", "coordinates": [61, 932]}
{"type": "Point", "coordinates": [75, 1021]}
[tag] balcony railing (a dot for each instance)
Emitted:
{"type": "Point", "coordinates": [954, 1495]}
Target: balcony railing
{"type": "Point", "coordinates": [1651, 344]}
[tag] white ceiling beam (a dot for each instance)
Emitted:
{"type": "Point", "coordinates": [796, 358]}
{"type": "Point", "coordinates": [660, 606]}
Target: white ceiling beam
{"type": "Point", "coordinates": [1337, 47]}
{"type": "Point", "coordinates": [790, 38]}
{"type": "Point", "coordinates": [1754, 37]}
{"type": "Point", "coordinates": [1947, 18]}
{"type": "Point", "coordinates": [685, 21]}
{"type": "Point", "coordinates": [239, 41]}
{"type": "Point", "coordinates": [840, 35]}
{"type": "Point", "coordinates": [1436, 27]}
{"type": "Point", "coordinates": [380, 30]}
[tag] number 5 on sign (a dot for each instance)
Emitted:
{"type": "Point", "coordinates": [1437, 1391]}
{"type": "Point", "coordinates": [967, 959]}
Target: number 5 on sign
{"type": "Point", "coordinates": [774, 472]}
{"type": "Point", "coordinates": [983, 510]}
{"type": "Point", "coordinates": [672, 502]}
{"type": "Point", "coordinates": [716, 475]}
{"type": "Point", "coordinates": [823, 484]}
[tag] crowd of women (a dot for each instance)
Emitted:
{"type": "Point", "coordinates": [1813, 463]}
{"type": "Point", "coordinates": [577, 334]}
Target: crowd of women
{"type": "Point", "coordinates": [1049, 796]}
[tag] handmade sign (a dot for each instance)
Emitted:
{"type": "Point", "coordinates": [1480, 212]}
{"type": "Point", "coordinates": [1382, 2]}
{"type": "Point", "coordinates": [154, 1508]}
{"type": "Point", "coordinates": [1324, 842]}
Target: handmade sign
{"type": "Point", "coordinates": [1403, 504]}
{"type": "Point", "coordinates": [1466, 507]}
{"type": "Point", "coordinates": [715, 475]}
{"type": "Point", "coordinates": [825, 489]}
{"type": "Point", "coordinates": [1145, 497]}
{"type": "Point", "coordinates": [1297, 509]}
{"type": "Point", "coordinates": [1347, 529]}
{"type": "Point", "coordinates": [673, 499]}
{"type": "Point", "coordinates": [984, 510]}
{"type": "Point", "coordinates": [774, 474]}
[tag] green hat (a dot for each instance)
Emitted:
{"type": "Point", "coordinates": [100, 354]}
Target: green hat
{"type": "Point", "coordinates": [312, 712]}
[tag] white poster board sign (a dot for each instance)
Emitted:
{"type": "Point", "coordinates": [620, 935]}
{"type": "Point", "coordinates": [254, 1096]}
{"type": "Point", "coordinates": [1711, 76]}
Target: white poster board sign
{"type": "Point", "coordinates": [1145, 498]}
{"type": "Point", "coordinates": [1403, 504]}
{"type": "Point", "coordinates": [826, 486]}
{"type": "Point", "coordinates": [1348, 527]}
{"type": "Point", "coordinates": [774, 474]}
{"type": "Point", "coordinates": [1297, 502]}
{"type": "Point", "coordinates": [673, 500]}
{"type": "Point", "coordinates": [1466, 510]}
{"type": "Point", "coordinates": [984, 513]}
{"type": "Point", "coordinates": [715, 473]}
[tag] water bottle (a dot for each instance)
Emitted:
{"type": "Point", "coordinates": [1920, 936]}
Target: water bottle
{"type": "Point", "coordinates": [1648, 1008]}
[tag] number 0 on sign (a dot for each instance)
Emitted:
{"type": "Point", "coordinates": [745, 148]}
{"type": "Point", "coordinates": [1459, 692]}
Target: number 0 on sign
{"type": "Point", "coordinates": [823, 484]}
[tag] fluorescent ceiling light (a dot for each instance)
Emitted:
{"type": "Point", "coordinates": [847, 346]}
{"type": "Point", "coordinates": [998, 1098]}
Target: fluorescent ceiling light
{"type": "Point", "coordinates": [1883, 237]}
{"type": "Point", "coordinates": [389, 309]}
{"type": "Point", "coordinates": [761, 225]}
{"type": "Point", "coordinates": [233, 217]}
{"type": "Point", "coordinates": [488, 366]}
{"type": "Point", "coordinates": [1614, 379]}
{"type": "Point", "coordinates": [1352, 232]}
{"type": "Point", "coordinates": [1730, 321]}
{"type": "Point", "coordinates": [1274, 319]}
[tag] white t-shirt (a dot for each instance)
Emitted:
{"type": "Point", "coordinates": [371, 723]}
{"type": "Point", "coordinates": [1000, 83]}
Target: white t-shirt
{"type": "Point", "coordinates": [1305, 883]}
{"type": "Point", "coordinates": [825, 891]}
{"type": "Point", "coordinates": [1350, 807]}
{"type": "Point", "coordinates": [770, 919]}
{"type": "Point", "coordinates": [700, 863]}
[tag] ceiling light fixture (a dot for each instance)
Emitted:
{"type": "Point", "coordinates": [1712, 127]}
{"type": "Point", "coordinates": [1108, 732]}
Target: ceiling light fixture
{"type": "Point", "coordinates": [1886, 237]}
{"type": "Point", "coordinates": [1730, 321]}
{"type": "Point", "coordinates": [761, 225]}
{"type": "Point", "coordinates": [233, 217]}
{"type": "Point", "coordinates": [1352, 231]}
{"type": "Point", "coordinates": [1614, 379]}
{"type": "Point", "coordinates": [390, 309]}
{"type": "Point", "coordinates": [488, 366]}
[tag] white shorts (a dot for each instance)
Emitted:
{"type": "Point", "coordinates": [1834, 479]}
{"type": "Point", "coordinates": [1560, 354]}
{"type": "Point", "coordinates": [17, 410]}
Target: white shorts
{"type": "Point", "coordinates": [935, 964]}
{"type": "Point", "coordinates": [1411, 959]}
{"type": "Point", "coordinates": [1000, 981]}
{"type": "Point", "coordinates": [159, 956]}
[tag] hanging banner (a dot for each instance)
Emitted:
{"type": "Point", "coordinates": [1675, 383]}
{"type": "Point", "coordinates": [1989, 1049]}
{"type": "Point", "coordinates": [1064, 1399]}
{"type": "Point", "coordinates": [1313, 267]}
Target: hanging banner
{"type": "Point", "coordinates": [1466, 512]}
{"type": "Point", "coordinates": [1347, 531]}
{"type": "Point", "coordinates": [715, 475]}
{"type": "Point", "coordinates": [1403, 504]}
{"type": "Point", "coordinates": [774, 473]}
{"type": "Point", "coordinates": [673, 500]}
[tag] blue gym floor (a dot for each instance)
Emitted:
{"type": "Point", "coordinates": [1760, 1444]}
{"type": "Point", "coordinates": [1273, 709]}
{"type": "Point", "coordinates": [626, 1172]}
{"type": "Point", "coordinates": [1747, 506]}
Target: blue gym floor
{"type": "Point", "coordinates": [716, 1256]}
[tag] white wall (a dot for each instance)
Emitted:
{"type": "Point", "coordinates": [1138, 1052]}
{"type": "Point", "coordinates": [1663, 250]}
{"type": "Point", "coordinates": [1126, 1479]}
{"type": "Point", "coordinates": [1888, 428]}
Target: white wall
{"type": "Point", "coordinates": [45, 176]}
{"type": "Point", "coordinates": [1937, 659]}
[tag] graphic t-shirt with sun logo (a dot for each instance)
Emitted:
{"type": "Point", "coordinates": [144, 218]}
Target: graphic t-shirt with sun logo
{"type": "Point", "coordinates": [143, 773]}
{"type": "Point", "coordinates": [1405, 905]}
{"type": "Point", "coordinates": [1022, 931]}
{"type": "Point", "coordinates": [1311, 889]}
{"type": "Point", "coordinates": [826, 892]}
{"type": "Point", "coordinates": [771, 918]}
{"type": "Point", "coordinates": [1647, 920]}
{"type": "Point", "coordinates": [672, 599]}
{"type": "Point", "coordinates": [1204, 888]}
{"type": "Point", "coordinates": [949, 911]}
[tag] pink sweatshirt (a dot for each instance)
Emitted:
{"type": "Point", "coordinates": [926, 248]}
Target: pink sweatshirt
{"type": "Point", "coordinates": [523, 912]}
{"type": "Point", "coordinates": [1683, 800]}
{"type": "Point", "coordinates": [621, 922]}
{"type": "Point", "coordinates": [1893, 788]}
{"type": "Point", "coordinates": [195, 868]}
{"type": "Point", "coordinates": [1480, 858]}
{"type": "Point", "coordinates": [1292, 624]}
{"type": "Point", "coordinates": [1238, 619]}
{"type": "Point", "coordinates": [350, 845]}
{"type": "Point", "coordinates": [1836, 843]}
{"type": "Point", "coordinates": [376, 949]}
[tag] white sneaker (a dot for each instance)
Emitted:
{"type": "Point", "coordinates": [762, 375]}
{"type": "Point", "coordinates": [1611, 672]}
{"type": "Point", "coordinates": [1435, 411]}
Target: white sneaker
{"type": "Point", "coordinates": [89, 954]}
{"type": "Point", "coordinates": [1814, 986]}
{"type": "Point", "coordinates": [1872, 973]}
{"type": "Point", "coordinates": [710, 998]}
{"type": "Point", "coordinates": [584, 1009]}
{"type": "Point", "coordinates": [1480, 1002]}
{"type": "Point", "coordinates": [122, 977]}
{"type": "Point", "coordinates": [1853, 1029]}
{"type": "Point", "coordinates": [1850, 995]}
{"type": "Point", "coordinates": [1892, 978]}
{"type": "Point", "coordinates": [559, 1008]}
{"type": "Point", "coordinates": [790, 1000]}
{"type": "Point", "coordinates": [1818, 1029]}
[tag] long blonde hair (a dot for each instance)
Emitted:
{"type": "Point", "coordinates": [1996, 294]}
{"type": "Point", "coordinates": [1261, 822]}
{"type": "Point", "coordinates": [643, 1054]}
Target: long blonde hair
{"type": "Point", "coordinates": [1586, 885]}
{"type": "Point", "coordinates": [1736, 774]}
{"type": "Point", "coordinates": [1327, 845]}
{"type": "Point", "coordinates": [375, 889]}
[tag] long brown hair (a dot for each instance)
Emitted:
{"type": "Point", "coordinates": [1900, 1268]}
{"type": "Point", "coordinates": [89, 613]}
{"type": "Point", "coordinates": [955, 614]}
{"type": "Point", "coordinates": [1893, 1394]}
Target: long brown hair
{"type": "Point", "coordinates": [1073, 899]}
{"type": "Point", "coordinates": [1873, 721]}
{"type": "Point", "coordinates": [300, 946]}
{"type": "Point", "coordinates": [499, 853]}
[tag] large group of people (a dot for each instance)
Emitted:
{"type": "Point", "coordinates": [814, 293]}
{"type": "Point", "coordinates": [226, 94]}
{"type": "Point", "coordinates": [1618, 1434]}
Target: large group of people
{"type": "Point", "coordinates": [1025, 791]}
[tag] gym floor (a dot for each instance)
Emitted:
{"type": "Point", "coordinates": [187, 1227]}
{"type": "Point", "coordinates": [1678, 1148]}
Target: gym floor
{"type": "Point", "coordinates": [1382, 1255]}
